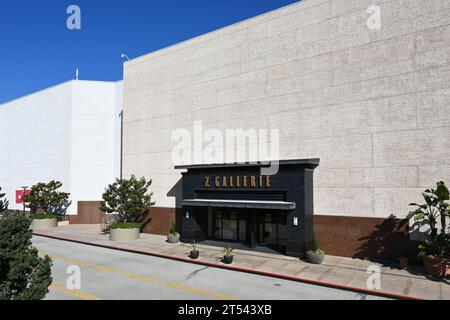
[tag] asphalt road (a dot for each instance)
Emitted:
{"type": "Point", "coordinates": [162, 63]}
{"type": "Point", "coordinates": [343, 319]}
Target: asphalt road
{"type": "Point", "coordinates": [113, 275]}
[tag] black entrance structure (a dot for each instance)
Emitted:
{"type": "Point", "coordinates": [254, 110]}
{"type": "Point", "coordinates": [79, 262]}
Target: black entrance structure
{"type": "Point", "coordinates": [236, 203]}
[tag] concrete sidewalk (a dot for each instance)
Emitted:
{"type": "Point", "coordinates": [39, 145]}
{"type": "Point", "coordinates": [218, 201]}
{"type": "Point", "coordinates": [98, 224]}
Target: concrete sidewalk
{"type": "Point", "coordinates": [339, 272]}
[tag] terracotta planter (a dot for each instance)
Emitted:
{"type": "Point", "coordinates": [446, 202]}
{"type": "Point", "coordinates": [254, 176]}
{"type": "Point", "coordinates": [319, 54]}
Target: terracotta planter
{"type": "Point", "coordinates": [40, 224]}
{"type": "Point", "coordinates": [404, 262]}
{"type": "Point", "coordinates": [123, 235]}
{"type": "Point", "coordinates": [436, 266]}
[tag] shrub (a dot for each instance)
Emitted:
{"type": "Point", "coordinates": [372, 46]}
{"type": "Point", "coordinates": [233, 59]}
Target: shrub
{"type": "Point", "coordinates": [43, 216]}
{"type": "Point", "coordinates": [23, 274]}
{"type": "Point", "coordinates": [128, 198]}
{"type": "Point", "coordinates": [125, 225]}
{"type": "Point", "coordinates": [11, 211]}
{"type": "Point", "coordinates": [3, 203]}
{"type": "Point", "coordinates": [47, 197]}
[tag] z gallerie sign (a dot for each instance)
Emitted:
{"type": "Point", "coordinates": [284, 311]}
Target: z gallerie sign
{"type": "Point", "coordinates": [236, 182]}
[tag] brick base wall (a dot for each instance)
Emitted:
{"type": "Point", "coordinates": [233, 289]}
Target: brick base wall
{"type": "Point", "coordinates": [88, 213]}
{"type": "Point", "coordinates": [359, 237]}
{"type": "Point", "coordinates": [159, 220]}
{"type": "Point", "coordinates": [355, 237]}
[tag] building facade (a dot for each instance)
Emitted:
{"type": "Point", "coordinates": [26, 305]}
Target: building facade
{"type": "Point", "coordinates": [370, 101]}
{"type": "Point", "coordinates": [69, 132]}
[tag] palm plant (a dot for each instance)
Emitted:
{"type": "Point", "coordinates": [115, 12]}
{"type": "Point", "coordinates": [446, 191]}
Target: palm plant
{"type": "Point", "coordinates": [435, 209]}
{"type": "Point", "coordinates": [227, 252]}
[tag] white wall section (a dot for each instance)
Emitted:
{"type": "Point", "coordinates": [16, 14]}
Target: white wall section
{"type": "Point", "coordinates": [68, 132]}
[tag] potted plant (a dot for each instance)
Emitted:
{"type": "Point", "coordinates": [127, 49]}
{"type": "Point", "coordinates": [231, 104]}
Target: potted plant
{"type": "Point", "coordinates": [194, 253]}
{"type": "Point", "coordinates": [315, 255]}
{"type": "Point", "coordinates": [130, 200]}
{"type": "Point", "coordinates": [435, 251]}
{"type": "Point", "coordinates": [435, 263]}
{"type": "Point", "coordinates": [228, 255]}
{"type": "Point", "coordinates": [43, 221]}
{"type": "Point", "coordinates": [173, 236]}
{"type": "Point", "coordinates": [47, 204]}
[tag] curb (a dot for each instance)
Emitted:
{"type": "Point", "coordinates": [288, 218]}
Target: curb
{"type": "Point", "coordinates": [245, 270]}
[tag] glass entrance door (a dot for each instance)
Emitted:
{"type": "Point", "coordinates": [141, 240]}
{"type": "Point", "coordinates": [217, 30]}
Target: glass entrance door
{"type": "Point", "coordinates": [229, 224]}
{"type": "Point", "coordinates": [272, 230]}
{"type": "Point", "coordinates": [250, 226]}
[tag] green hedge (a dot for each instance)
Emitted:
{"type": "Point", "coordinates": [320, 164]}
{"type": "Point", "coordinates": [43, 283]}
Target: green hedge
{"type": "Point", "coordinates": [43, 216]}
{"type": "Point", "coordinates": [125, 225]}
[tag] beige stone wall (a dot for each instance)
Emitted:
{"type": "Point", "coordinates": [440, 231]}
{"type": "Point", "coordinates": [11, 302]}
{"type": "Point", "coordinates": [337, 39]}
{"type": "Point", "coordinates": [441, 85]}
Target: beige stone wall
{"type": "Point", "coordinates": [373, 105]}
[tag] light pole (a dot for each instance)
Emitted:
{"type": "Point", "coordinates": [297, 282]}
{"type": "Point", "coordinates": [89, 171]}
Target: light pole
{"type": "Point", "coordinates": [23, 193]}
{"type": "Point", "coordinates": [123, 55]}
{"type": "Point", "coordinates": [121, 144]}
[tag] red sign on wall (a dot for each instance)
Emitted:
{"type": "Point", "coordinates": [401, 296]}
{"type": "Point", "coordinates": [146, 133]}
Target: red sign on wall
{"type": "Point", "coordinates": [19, 194]}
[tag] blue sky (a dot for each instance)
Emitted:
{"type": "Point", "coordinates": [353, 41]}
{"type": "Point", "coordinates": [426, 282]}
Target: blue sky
{"type": "Point", "coordinates": [37, 50]}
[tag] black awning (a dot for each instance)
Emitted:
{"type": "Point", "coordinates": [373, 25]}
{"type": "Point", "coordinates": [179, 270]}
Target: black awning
{"type": "Point", "coordinates": [253, 204]}
{"type": "Point", "coordinates": [308, 163]}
